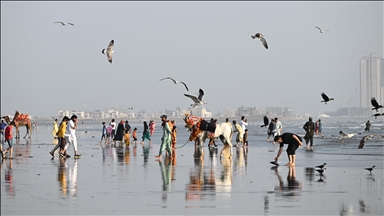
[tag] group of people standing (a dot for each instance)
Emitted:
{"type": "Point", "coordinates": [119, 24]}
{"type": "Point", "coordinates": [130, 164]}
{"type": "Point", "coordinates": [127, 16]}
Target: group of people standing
{"type": "Point", "coordinates": [275, 128]}
{"type": "Point", "coordinates": [66, 135]}
{"type": "Point", "coordinates": [117, 132]}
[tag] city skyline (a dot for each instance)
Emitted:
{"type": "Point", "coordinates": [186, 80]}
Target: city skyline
{"type": "Point", "coordinates": [371, 80]}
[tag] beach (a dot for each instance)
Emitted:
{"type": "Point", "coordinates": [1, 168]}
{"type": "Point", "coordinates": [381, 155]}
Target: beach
{"type": "Point", "coordinates": [110, 180]}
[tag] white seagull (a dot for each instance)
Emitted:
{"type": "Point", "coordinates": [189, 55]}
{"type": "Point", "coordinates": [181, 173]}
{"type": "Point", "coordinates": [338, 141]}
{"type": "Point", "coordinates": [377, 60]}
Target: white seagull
{"type": "Point", "coordinates": [198, 100]}
{"type": "Point", "coordinates": [346, 136]}
{"type": "Point", "coordinates": [260, 36]}
{"type": "Point", "coordinates": [175, 81]}
{"type": "Point", "coordinates": [321, 31]}
{"type": "Point", "coordinates": [63, 23]}
{"type": "Point", "coordinates": [109, 51]}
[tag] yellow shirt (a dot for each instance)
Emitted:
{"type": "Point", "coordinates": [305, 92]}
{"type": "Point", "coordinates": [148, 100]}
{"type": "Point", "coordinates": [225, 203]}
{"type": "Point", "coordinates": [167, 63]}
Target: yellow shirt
{"type": "Point", "coordinates": [62, 129]}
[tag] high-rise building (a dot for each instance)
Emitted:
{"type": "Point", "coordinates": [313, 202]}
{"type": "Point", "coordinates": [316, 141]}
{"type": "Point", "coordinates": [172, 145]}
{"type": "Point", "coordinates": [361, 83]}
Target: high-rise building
{"type": "Point", "coordinates": [371, 80]}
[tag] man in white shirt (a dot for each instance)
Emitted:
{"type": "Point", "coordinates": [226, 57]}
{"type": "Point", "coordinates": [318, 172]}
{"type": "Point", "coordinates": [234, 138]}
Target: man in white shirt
{"type": "Point", "coordinates": [244, 125]}
{"type": "Point", "coordinates": [71, 134]}
{"type": "Point", "coordinates": [113, 124]}
{"type": "Point", "coordinates": [279, 128]}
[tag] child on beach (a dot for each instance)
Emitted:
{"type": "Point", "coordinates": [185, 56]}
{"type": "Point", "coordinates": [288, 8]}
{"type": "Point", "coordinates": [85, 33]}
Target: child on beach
{"type": "Point", "coordinates": [134, 135]}
{"type": "Point", "coordinates": [9, 140]}
{"type": "Point", "coordinates": [245, 138]}
{"type": "Point", "coordinates": [109, 132]}
{"type": "Point", "coordinates": [127, 139]}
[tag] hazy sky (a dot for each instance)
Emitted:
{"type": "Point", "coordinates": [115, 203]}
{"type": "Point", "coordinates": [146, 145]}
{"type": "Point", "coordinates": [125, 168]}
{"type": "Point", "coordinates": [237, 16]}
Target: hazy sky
{"type": "Point", "coordinates": [46, 67]}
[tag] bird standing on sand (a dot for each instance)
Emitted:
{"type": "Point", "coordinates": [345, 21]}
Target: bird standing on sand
{"type": "Point", "coordinates": [321, 31]}
{"type": "Point", "coordinates": [198, 100]}
{"type": "Point", "coordinates": [326, 98]}
{"type": "Point", "coordinates": [322, 166]}
{"type": "Point", "coordinates": [109, 51]}
{"type": "Point", "coordinates": [321, 171]}
{"type": "Point", "coordinates": [260, 36]}
{"type": "Point", "coordinates": [63, 23]}
{"type": "Point", "coordinates": [370, 169]}
{"type": "Point", "coordinates": [175, 81]}
{"type": "Point", "coordinates": [375, 104]}
{"type": "Point", "coordinates": [266, 122]}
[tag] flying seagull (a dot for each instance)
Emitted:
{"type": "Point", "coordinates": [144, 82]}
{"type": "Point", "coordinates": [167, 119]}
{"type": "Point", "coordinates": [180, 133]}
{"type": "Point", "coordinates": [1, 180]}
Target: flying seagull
{"type": "Point", "coordinates": [364, 139]}
{"type": "Point", "coordinates": [260, 36]}
{"type": "Point", "coordinates": [175, 81]}
{"type": "Point", "coordinates": [198, 100]}
{"type": "Point", "coordinates": [326, 98]}
{"type": "Point", "coordinates": [266, 122]}
{"type": "Point", "coordinates": [375, 104]}
{"type": "Point", "coordinates": [322, 166]}
{"type": "Point", "coordinates": [63, 23]}
{"type": "Point", "coordinates": [109, 51]}
{"type": "Point", "coordinates": [370, 169]}
{"type": "Point", "coordinates": [321, 31]}
{"type": "Point", "coordinates": [378, 114]}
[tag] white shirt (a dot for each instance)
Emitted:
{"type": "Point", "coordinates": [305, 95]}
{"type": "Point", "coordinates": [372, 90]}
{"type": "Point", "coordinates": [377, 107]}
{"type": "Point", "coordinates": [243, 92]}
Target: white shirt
{"type": "Point", "coordinates": [279, 128]}
{"type": "Point", "coordinates": [71, 128]}
{"type": "Point", "coordinates": [114, 125]}
{"type": "Point", "coordinates": [243, 124]}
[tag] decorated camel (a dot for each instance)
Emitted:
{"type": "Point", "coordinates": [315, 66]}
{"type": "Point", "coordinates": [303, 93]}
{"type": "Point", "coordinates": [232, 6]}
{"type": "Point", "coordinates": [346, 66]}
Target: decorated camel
{"type": "Point", "coordinates": [201, 130]}
{"type": "Point", "coordinates": [18, 121]}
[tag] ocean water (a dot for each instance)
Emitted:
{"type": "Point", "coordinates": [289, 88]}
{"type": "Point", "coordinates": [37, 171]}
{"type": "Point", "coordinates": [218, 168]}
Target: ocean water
{"type": "Point", "coordinates": [109, 180]}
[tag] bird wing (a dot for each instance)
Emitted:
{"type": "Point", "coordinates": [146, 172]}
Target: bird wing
{"type": "Point", "coordinates": [319, 28]}
{"type": "Point", "coordinates": [62, 23]}
{"type": "Point", "coordinates": [110, 46]}
{"type": "Point", "coordinates": [170, 79]}
{"type": "Point", "coordinates": [262, 39]}
{"type": "Point", "coordinates": [324, 96]}
{"type": "Point", "coordinates": [185, 85]}
{"type": "Point", "coordinates": [374, 102]}
{"type": "Point", "coordinates": [71, 24]}
{"type": "Point", "coordinates": [266, 120]}
{"type": "Point", "coordinates": [201, 94]}
{"type": "Point", "coordinates": [193, 98]}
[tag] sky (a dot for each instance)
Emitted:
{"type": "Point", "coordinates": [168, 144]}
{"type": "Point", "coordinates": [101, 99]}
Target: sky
{"type": "Point", "coordinates": [46, 67]}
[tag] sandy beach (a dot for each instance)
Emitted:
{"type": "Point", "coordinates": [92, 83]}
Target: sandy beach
{"type": "Point", "coordinates": [129, 181]}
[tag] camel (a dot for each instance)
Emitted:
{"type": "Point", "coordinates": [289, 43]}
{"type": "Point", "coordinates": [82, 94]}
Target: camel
{"type": "Point", "coordinates": [18, 121]}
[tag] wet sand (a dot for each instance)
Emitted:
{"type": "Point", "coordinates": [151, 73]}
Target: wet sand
{"type": "Point", "coordinates": [119, 181]}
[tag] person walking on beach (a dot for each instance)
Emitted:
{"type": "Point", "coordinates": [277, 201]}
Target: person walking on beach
{"type": "Point", "coordinates": [320, 127]}
{"type": "Point", "coordinates": [244, 124]}
{"type": "Point", "coordinates": [166, 139]}
{"type": "Point", "coordinates": [127, 138]}
{"type": "Point", "coordinates": [245, 137]}
{"type": "Point", "coordinates": [134, 135]}
{"type": "Point", "coordinates": [152, 126]}
{"type": "Point", "coordinates": [239, 130]}
{"type": "Point", "coordinates": [3, 125]}
{"type": "Point", "coordinates": [119, 133]}
{"type": "Point", "coordinates": [9, 140]}
{"type": "Point", "coordinates": [61, 136]}
{"type": "Point", "coordinates": [367, 126]}
{"type": "Point", "coordinates": [293, 141]}
{"type": "Point", "coordinates": [103, 133]}
{"type": "Point", "coordinates": [309, 127]}
{"type": "Point", "coordinates": [71, 139]}
{"type": "Point", "coordinates": [113, 124]}
{"type": "Point", "coordinates": [271, 127]}
{"type": "Point", "coordinates": [278, 128]}
{"type": "Point", "coordinates": [55, 129]}
{"type": "Point", "coordinates": [127, 126]}
{"type": "Point", "coordinates": [146, 134]}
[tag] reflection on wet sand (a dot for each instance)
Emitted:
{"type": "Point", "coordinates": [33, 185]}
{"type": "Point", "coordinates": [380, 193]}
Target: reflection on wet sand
{"type": "Point", "coordinates": [201, 185]}
{"type": "Point", "coordinates": [224, 184]}
{"type": "Point", "coordinates": [22, 149]}
{"type": "Point", "coordinates": [8, 176]}
{"type": "Point", "coordinates": [293, 187]}
{"type": "Point", "coordinates": [67, 178]}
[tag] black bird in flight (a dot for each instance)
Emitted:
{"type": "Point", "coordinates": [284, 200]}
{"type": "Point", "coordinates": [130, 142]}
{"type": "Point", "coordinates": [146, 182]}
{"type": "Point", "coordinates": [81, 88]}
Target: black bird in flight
{"type": "Point", "coordinates": [378, 114]}
{"type": "Point", "coordinates": [266, 122]}
{"type": "Point", "coordinates": [326, 98]}
{"type": "Point", "coordinates": [260, 36]}
{"type": "Point", "coordinates": [375, 104]}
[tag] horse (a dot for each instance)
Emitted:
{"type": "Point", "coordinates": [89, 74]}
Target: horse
{"type": "Point", "coordinates": [20, 120]}
{"type": "Point", "coordinates": [201, 130]}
